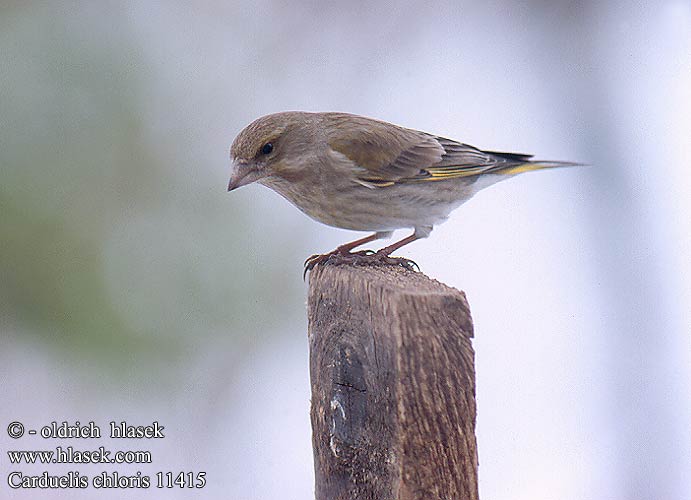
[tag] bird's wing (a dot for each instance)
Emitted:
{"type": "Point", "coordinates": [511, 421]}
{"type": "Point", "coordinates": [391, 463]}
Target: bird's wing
{"type": "Point", "coordinates": [380, 153]}
{"type": "Point", "coordinates": [383, 154]}
{"type": "Point", "coordinates": [463, 160]}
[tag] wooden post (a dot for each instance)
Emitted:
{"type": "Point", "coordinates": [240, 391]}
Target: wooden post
{"type": "Point", "coordinates": [393, 386]}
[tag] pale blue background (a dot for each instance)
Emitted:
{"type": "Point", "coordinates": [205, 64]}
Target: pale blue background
{"type": "Point", "coordinates": [132, 286]}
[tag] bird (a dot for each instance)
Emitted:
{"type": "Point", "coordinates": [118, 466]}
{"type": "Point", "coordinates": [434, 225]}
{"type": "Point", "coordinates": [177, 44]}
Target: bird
{"type": "Point", "coordinates": [364, 174]}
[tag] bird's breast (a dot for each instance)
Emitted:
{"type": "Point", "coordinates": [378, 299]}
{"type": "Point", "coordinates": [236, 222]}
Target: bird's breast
{"type": "Point", "coordinates": [341, 202]}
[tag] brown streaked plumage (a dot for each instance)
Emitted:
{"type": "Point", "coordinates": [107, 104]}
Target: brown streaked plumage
{"type": "Point", "coordinates": [358, 173]}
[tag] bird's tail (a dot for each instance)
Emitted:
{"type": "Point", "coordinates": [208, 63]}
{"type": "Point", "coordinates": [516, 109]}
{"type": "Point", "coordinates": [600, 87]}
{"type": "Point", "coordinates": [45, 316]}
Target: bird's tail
{"type": "Point", "coordinates": [533, 165]}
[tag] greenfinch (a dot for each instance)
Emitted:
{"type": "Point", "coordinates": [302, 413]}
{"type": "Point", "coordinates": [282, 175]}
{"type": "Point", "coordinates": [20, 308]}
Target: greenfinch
{"type": "Point", "coordinates": [363, 174]}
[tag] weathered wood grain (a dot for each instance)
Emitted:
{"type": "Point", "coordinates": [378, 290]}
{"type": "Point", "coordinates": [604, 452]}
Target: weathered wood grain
{"type": "Point", "coordinates": [393, 386]}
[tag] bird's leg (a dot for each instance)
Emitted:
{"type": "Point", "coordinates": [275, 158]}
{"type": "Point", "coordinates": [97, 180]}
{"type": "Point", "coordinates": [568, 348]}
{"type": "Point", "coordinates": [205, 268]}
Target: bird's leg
{"type": "Point", "coordinates": [388, 250]}
{"type": "Point", "coordinates": [345, 251]}
{"type": "Point", "coordinates": [347, 247]}
{"type": "Point", "coordinates": [384, 255]}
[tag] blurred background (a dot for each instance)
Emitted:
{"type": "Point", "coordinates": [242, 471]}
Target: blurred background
{"type": "Point", "coordinates": [134, 287]}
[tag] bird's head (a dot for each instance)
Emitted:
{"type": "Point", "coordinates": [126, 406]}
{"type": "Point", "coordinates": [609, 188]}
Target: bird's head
{"type": "Point", "coordinates": [270, 146]}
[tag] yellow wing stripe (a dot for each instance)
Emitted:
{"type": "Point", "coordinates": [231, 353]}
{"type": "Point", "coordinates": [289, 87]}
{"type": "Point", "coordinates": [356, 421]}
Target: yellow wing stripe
{"type": "Point", "coordinates": [445, 173]}
{"type": "Point", "coordinates": [455, 172]}
{"type": "Point", "coordinates": [431, 174]}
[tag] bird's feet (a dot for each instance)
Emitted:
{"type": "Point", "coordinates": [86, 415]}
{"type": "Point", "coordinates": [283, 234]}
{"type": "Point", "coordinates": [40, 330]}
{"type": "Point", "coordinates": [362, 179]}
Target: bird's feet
{"type": "Point", "coordinates": [363, 257]}
{"type": "Point", "coordinates": [336, 257]}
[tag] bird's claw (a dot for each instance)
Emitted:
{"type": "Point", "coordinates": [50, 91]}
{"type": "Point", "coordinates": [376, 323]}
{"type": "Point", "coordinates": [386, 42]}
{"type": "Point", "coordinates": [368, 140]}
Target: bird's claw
{"type": "Point", "coordinates": [408, 264]}
{"type": "Point", "coordinates": [361, 257]}
{"type": "Point", "coordinates": [316, 259]}
{"type": "Point", "coordinates": [313, 261]}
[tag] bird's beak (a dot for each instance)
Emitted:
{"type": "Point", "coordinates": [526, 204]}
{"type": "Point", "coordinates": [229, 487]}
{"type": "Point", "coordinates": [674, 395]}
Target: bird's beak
{"type": "Point", "coordinates": [241, 174]}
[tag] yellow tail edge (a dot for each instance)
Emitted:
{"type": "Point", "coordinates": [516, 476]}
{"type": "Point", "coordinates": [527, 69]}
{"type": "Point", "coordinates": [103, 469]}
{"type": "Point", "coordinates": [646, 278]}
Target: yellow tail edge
{"type": "Point", "coordinates": [538, 165]}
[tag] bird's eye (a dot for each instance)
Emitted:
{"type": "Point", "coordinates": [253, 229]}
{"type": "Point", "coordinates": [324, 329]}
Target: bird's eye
{"type": "Point", "coordinates": [267, 148]}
